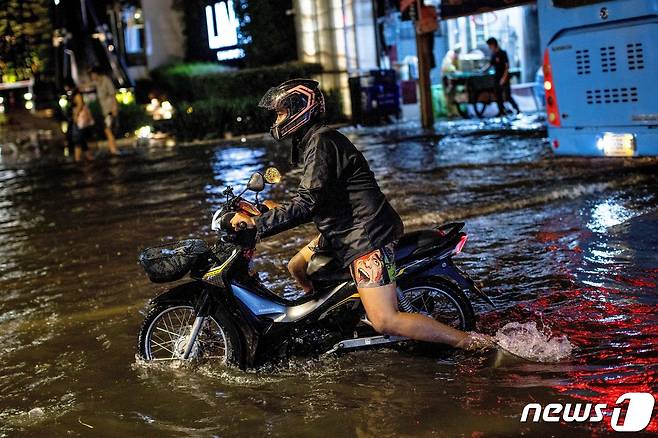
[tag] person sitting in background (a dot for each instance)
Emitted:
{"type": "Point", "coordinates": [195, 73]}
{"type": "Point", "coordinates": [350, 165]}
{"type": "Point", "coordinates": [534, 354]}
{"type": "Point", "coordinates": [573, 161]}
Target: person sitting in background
{"type": "Point", "coordinates": [106, 95]}
{"type": "Point", "coordinates": [81, 126]}
{"type": "Point", "coordinates": [500, 63]}
{"type": "Point", "coordinates": [449, 65]}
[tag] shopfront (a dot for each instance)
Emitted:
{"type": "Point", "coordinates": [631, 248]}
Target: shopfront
{"type": "Point", "coordinates": [515, 28]}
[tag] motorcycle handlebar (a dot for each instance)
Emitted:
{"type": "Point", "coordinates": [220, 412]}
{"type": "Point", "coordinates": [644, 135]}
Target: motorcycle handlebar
{"type": "Point", "coordinates": [225, 223]}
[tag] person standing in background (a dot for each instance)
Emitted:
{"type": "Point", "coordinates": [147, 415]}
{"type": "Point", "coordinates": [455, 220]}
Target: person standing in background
{"type": "Point", "coordinates": [450, 65]}
{"type": "Point", "coordinates": [500, 63]}
{"type": "Point", "coordinates": [67, 112]}
{"type": "Point", "coordinates": [106, 94]}
{"type": "Point", "coordinates": [82, 124]}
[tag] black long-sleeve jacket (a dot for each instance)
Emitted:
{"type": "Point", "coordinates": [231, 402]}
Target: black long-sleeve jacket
{"type": "Point", "coordinates": [338, 192]}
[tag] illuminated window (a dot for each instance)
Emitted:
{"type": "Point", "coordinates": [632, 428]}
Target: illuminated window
{"type": "Point", "coordinates": [134, 37]}
{"type": "Point", "coordinates": [223, 28]}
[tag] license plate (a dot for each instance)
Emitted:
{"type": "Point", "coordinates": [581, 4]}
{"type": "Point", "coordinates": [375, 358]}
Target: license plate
{"type": "Point", "coordinates": [618, 145]}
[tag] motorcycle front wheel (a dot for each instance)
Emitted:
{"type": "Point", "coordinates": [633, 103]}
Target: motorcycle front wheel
{"type": "Point", "coordinates": [440, 300]}
{"type": "Point", "coordinates": [167, 328]}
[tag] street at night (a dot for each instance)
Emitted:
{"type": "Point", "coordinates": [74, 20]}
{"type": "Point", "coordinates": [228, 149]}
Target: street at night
{"type": "Point", "coordinates": [567, 244]}
{"type": "Point", "coordinates": [314, 218]}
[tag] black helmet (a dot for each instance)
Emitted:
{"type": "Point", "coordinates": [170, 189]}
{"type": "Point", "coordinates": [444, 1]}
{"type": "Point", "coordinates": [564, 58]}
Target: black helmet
{"type": "Point", "coordinates": [300, 99]}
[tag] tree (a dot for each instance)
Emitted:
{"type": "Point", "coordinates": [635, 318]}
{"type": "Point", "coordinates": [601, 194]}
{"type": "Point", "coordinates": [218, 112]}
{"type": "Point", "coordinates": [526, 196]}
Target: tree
{"type": "Point", "coordinates": [267, 31]}
{"type": "Point", "coordinates": [26, 38]}
{"type": "Point", "coordinates": [194, 29]}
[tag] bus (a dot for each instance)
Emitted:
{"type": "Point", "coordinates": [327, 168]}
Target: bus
{"type": "Point", "coordinates": [600, 76]}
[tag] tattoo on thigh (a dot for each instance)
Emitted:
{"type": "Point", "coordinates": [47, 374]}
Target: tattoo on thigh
{"type": "Point", "coordinates": [369, 269]}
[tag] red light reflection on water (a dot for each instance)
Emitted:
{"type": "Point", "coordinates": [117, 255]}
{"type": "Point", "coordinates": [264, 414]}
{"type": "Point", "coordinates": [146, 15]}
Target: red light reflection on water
{"type": "Point", "coordinates": [616, 347]}
{"type": "Point", "coordinates": [613, 326]}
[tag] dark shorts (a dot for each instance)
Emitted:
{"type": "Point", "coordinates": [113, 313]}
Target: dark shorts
{"type": "Point", "coordinates": [374, 269]}
{"type": "Point", "coordinates": [79, 136]}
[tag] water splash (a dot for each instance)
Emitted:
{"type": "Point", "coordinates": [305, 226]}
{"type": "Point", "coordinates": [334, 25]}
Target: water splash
{"type": "Point", "coordinates": [527, 341]}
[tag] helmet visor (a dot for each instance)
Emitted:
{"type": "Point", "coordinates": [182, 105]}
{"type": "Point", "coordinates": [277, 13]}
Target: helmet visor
{"type": "Point", "coordinates": [284, 100]}
{"type": "Point", "coordinates": [272, 99]}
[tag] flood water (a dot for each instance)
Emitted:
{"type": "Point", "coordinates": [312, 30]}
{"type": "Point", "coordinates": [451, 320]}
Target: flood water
{"type": "Point", "coordinates": [567, 243]}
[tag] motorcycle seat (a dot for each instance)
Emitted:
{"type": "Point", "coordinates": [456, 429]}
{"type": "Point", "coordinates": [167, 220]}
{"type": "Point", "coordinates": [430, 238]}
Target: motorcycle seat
{"type": "Point", "coordinates": [417, 243]}
{"type": "Point", "coordinates": [324, 268]}
{"type": "Point", "coordinates": [410, 242]}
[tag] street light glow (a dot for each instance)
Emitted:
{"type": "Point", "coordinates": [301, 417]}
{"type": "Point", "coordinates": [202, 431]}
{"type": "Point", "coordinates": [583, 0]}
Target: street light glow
{"type": "Point", "coordinates": [144, 132]}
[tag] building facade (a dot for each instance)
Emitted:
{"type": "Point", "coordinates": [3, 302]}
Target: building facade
{"type": "Point", "coordinates": [347, 38]}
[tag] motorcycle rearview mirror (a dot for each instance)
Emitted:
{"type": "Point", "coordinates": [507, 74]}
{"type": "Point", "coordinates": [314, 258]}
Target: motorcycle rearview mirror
{"type": "Point", "coordinates": [256, 182]}
{"type": "Point", "coordinates": [272, 175]}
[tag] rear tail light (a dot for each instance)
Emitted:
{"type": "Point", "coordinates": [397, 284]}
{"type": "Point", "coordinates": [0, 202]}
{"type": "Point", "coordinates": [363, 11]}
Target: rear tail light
{"type": "Point", "coordinates": [552, 111]}
{"type": "Point", "coordinates": [460, 244]}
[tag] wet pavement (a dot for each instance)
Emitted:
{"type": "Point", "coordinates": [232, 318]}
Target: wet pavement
{"type": "Point", "coordinates": [567, 243]}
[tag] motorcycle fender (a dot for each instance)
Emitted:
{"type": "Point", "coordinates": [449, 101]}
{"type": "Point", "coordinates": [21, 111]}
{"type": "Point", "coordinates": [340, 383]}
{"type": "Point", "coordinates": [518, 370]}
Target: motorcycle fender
{"type": "Point", "coordinates": [446, 269]}
{"type": "Point", "coordinates": [189, 290]}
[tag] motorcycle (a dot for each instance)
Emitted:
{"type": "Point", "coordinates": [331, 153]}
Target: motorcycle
{"type": "Point", "coordinates": [226, 314]}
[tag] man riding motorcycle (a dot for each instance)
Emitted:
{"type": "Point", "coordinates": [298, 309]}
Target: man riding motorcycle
{"type": "Point", "coordinates": [339, 193]}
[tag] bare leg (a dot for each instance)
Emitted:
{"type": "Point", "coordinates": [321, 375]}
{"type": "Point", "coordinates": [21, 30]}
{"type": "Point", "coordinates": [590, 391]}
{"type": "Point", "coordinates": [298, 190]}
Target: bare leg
{"type": "Point", "coordinates": [77, 153]}
{"type": "Point", "coordinates": [297, 266]}
{"type": "Point", "coordinates": [111, 141]}
{"type": "Point", "coordinates": [382, 308]}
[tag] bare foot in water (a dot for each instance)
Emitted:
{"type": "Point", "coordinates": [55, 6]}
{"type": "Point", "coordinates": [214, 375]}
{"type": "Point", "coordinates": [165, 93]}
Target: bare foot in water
{"type": "Point", "coordinates": [476, 341]}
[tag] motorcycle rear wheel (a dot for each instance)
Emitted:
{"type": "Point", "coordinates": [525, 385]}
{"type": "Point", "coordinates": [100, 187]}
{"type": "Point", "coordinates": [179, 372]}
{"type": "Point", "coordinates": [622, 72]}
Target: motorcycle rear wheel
{"type": "Point", "coordinates": [166, 329]}
{"type": "Point", "coordinates": [440, 300]}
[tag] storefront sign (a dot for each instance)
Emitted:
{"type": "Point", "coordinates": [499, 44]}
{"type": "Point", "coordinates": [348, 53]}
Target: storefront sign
{"type": "Point", "coordinates": [223, 30]}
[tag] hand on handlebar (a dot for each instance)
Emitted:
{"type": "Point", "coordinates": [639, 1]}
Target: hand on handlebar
{"type": "Point", "coordinates": [241, 221]}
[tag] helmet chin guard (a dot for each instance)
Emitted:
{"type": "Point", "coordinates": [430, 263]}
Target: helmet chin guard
{"type": "Point", "coordinates": [275, 132]}
{"type": "Point", "coordinates": [300, 99]}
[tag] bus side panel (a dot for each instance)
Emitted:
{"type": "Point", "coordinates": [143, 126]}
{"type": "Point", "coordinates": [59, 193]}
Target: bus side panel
{"type": "Point", "coordinates": [604, 81]}
{"type": "Point", "coordinates": [606, 76]}
{"type": "Point", "coordinates": [553, 20]}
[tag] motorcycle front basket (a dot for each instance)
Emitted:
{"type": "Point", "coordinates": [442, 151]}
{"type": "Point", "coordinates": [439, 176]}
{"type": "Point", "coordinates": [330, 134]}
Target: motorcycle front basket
{"type": "Point", "coordinates": [171, 261]}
